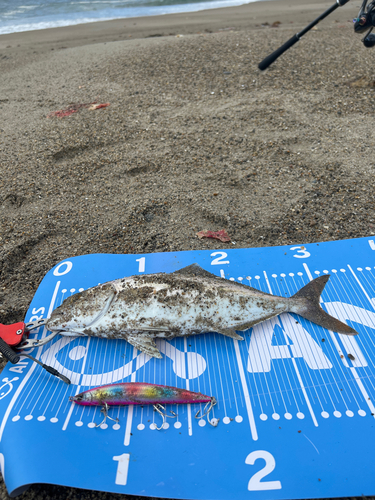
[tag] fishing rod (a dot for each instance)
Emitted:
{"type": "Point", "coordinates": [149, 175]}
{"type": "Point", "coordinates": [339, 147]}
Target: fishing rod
{"type": "Point", "coordinates": [364, 21]}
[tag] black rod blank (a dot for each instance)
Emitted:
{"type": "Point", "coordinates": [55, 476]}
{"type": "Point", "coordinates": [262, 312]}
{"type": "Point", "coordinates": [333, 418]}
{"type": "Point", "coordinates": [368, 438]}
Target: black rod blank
{"type": "Point", "coordinates": [295, 38]}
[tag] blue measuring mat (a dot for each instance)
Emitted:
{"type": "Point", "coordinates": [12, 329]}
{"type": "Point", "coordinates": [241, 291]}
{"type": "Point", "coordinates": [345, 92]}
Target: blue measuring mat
{"type": "Point", "coordinates": [295, 401]}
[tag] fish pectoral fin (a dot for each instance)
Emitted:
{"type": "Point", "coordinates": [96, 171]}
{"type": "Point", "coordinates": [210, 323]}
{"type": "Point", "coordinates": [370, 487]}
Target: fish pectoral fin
{"type": "Point", "coordinates": [144, 343]}
{"type": "Point", "coordinates": [229, 332]}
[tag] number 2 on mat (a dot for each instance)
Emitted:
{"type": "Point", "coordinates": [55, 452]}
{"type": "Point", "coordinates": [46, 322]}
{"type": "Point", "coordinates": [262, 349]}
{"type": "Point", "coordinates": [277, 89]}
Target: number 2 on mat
{"type": "Point", "coordinates": [255, 483]}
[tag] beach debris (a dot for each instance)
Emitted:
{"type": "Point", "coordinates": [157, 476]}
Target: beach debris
{"type": "Point", "coordinates": [61, 113]}
{"type": "Point", "coordinates": [275, 24]}
{"type": "Point", "coordinates": [188, 301]}
{"type": "Point", "coordinates": [362, 82]}
{"type": "Point", "coordinates": [221, 235]}
{"type": "Point", "coordinates": [98, 106]}
{"type": "Point", "coordinates": [73, 108]}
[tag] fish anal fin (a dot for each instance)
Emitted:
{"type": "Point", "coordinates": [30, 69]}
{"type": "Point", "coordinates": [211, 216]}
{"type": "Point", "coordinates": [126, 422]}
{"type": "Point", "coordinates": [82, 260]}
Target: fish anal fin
{"type": "Point", "coordinates": [144, 343]}
{"type": "Point", "coordinates": [250, 324]}
{"type": "Point", "coordinates": [229, 332]}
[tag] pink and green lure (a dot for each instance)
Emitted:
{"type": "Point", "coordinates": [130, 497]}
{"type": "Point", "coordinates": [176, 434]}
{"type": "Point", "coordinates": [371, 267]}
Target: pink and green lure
{"type": "Point", "coordinates": [142, 393]}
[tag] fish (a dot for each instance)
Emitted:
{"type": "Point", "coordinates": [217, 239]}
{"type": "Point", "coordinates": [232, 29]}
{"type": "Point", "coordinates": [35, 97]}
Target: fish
{"type": "Point", "coordinates": [142, 393]}
{"type": "Point", "coordinates": [189, 301]}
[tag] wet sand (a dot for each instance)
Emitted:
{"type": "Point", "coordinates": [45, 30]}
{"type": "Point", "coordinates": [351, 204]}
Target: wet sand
{"type": "Point", "coordinates": [195, 138]}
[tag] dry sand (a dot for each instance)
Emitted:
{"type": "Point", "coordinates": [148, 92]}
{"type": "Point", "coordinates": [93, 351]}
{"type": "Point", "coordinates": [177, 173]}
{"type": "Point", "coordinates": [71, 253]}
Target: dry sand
{"type": "Point", "coordinates": [195, 137]}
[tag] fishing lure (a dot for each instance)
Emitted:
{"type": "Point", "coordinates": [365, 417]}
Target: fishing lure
{"type": "Point", "coordinates": [142, 393]}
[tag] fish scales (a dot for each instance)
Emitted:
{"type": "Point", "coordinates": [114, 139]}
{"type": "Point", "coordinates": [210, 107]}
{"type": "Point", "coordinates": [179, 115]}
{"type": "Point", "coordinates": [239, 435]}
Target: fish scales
{"type": "Point", "coordinates": [187, 302]}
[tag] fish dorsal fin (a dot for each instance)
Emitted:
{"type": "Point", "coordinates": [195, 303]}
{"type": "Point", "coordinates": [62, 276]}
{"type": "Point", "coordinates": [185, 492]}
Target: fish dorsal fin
{"type": "Point", "coordinates": [194, 270]}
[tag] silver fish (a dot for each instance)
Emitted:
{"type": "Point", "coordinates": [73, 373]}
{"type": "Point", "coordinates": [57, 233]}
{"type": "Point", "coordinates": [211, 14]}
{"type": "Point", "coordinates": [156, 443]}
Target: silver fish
{"type": "Point", "coordinates": [186, 302]}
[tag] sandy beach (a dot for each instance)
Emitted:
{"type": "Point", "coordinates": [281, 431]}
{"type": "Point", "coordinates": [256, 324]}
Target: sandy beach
{"type": "Point", "coordinates": [195, 137]}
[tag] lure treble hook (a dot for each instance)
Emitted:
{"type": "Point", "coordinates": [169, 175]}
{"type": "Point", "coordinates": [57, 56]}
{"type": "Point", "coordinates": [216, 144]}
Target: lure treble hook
{"type": "Point", "coordinates": [104, 410]}
{"type": "Point", "coordinates": [214, 422]}
{"type": "Point", "coordinates": [158, 407]}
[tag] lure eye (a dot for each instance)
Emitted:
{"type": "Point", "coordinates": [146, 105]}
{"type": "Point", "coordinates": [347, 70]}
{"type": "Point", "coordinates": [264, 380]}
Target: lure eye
{"type": "Point", "coordinates": [79, 397]}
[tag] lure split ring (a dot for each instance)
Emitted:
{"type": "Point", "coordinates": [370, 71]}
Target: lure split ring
{"type": "Point", "coordinates": [206, 410]}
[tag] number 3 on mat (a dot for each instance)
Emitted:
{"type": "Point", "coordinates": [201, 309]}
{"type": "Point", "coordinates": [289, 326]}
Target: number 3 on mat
{"type": "Point", "coordinates": [255, 483]}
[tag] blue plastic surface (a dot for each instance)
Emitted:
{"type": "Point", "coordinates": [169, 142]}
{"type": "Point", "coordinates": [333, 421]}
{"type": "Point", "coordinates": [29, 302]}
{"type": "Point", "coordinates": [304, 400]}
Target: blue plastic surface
{"type": "Point", "coordinates": [295, 401]}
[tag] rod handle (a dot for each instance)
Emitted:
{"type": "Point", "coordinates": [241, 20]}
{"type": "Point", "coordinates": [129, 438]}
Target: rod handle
{"type": "Point", "coordinates": [272, 57]}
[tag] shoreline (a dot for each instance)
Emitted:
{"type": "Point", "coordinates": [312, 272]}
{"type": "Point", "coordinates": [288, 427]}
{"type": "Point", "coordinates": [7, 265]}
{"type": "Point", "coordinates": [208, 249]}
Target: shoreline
{"type": "Point", "coordinates": [152, 13]}
{"type": "Point", "coordinates": [293, 14]}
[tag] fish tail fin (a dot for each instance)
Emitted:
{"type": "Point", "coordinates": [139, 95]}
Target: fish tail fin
{"type": "Point", "coordinates": [307, 305]}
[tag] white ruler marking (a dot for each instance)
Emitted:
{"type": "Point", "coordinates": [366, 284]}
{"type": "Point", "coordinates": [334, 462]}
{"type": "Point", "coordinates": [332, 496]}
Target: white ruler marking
{"type": "Point", "coordinates": [363, 391]}
{"type": "Point", "coordinates": [300, 378]}
{"type": "Point", "coordinates": [250, 414]}
{"type": "Point", "coordinates": [352, 369]}
{"type": "Point", "coordinates": [129, 419]}
{"type": "Point", "coordinates": [361, 286]}
{"type": "Point", "coordinates": [190, 423]}
{"type": "Point", "coordinates": [78, 389]}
